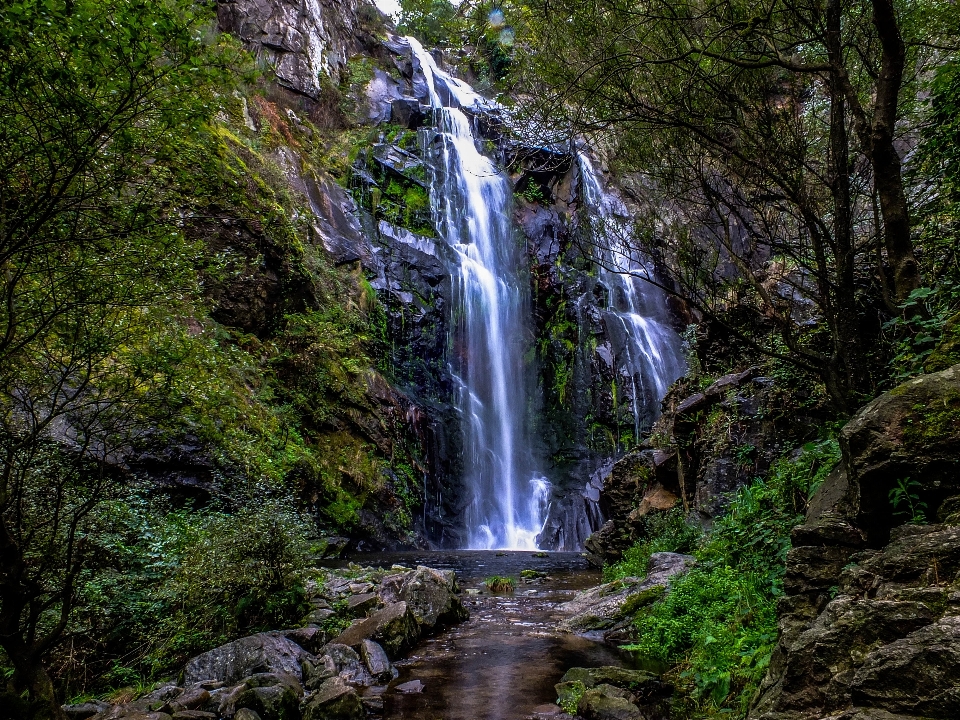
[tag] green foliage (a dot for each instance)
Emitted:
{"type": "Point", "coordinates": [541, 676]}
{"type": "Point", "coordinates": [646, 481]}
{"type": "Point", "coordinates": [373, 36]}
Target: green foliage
{"type": "Point", "coordinates": [906, 501]}
{"type": "Point", "coordinates": [716, 627]}
{"type": "Point", "coordinates": [668, 531]}
{"type": "Point", "coordinates": [570, 696]}
{"type": "Point", "coordinates": [921, 326]}
{"type": "Point", "coordinates": [499, 584]}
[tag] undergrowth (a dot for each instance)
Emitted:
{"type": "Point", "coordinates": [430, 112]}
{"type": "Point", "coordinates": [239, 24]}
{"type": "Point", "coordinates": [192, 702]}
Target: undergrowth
{"type": "Point", "coordinates": [717, 626]}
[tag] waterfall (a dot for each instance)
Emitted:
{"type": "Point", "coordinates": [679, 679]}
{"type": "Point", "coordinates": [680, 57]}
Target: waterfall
{"type": "Point", "coordinates": [471, 202]}
{"type": "Point", "coordinates": [636, 318]}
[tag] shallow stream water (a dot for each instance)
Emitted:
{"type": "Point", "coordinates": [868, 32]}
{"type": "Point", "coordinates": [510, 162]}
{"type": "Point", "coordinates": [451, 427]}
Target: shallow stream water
{"type": "Point", "coordinates": [503, 662]}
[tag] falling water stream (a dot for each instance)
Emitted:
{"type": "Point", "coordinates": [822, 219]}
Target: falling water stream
{"type": "Point", "coordinates": [636, 319]}
{"type": "Point", "coordinates": [472, 205]}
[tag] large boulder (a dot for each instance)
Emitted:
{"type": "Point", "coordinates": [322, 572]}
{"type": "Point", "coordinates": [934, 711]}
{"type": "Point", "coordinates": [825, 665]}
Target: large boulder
{"type": "Point", "coordinates": [333, 700]}
{"type": "Point", "coordinates": [601, 607]}
{"type": "Point", "coordinates": [395, 628]}
{"type": "Point", "coordinates": [430, 594]}
{"type": "Point", "coordinates": [262, 653]}
{"type": "Point", "coordinates": [911, 432]}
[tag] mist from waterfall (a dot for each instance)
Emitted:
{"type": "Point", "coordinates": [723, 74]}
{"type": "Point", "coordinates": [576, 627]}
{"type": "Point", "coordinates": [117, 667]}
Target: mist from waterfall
{"type": "Point", "coordinates": [472, 205]}
{"type": "Point", "coordinates": [647, 348]}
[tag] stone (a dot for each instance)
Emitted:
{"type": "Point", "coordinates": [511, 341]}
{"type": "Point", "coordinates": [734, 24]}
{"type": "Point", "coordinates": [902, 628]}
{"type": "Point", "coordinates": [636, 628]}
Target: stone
{"type": "Point", "coordinates": [194, 715]}
{"type": "Point", "coordinates": [163, 693]}
{"type": "Point", "coordinates": [265, 652]}
{"type": "Point", "coordinates": [912, 431]}
{"type": "Point", "coordinates": [394, 627]}
{"type": "Point", "coordinates": [607, 703]}
{"type": "Point", "coordinates": [82, 711]}
{"type": "Point", "coordinates": [333, 700]}
{"type": "Point", "coordinates": [600, 607]}
{"type": "Point", "coordinates": [918, 674]}
{"type": "Point", "coordinates": [316, 670]}
{"type": "Point", "coordinates": [348, 664]}
{"type": "Point", "coordinates": [310, 639]}
{"type": "Point", "coordinates": [360, 605]}
{"type": "Point", "coordinates": [274, 702]}
{"type": "Point", "coordinates": [191, 698]}
{"type": "Point", "coordinates": [376, 661]}
{"type": "Point", "coordinates": [413, 686]}
{"type": "Point", "coordinates": [406, 112]}
{"type": "Point", "coordinates": [634, 680]}
{"type": "Point", "coordinates": [246, 714]}
{"type": "Point", "coordinates": [430, 594]}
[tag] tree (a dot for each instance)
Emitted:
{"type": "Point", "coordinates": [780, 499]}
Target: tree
{"type": "Point", "coordinates": [95, 97]}
{"type": "Point", "coordinates": [767, 136]}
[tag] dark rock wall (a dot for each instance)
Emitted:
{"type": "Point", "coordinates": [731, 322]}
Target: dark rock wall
{"type": "Point", "coordinates": [870, 620]}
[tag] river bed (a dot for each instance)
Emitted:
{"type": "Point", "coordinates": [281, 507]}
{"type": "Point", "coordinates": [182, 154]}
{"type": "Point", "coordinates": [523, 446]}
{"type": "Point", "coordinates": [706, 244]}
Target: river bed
{"type": "Point", "coordinates": [503, 662]}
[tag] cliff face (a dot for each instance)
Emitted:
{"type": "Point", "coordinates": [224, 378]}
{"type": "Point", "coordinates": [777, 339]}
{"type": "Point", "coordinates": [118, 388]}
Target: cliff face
{"type": "Point", "coordinates": [345, 104]}
{"type": "Point", "coordinates": [870, 622]}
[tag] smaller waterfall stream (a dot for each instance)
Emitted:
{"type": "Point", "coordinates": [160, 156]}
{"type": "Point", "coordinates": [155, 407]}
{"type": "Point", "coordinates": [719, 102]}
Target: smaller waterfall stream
{"type": "Point", "coordinates": [472, 205]}
{"type": "Point", "coordinates": [636, 317]}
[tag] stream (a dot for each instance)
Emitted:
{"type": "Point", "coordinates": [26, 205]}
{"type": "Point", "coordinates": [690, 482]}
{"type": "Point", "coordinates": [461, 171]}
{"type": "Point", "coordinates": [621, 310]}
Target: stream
{"type": "Point", "coordinates": [503, 662]}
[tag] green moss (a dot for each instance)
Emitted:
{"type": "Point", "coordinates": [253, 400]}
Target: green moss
{"type": "Point", "coordinates": [569, 694]}
{"type": "Point", "coordinates": [641, 600]}
{"type": "Point", "coordinates": [933, 422]}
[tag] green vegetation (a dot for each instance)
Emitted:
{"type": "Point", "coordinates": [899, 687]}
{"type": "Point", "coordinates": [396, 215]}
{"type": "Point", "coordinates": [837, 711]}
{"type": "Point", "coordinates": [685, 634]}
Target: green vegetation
{"type": "Point", "coordinates": [570, 695]}
{"type": "Point", "coordinates": [906, 501]}
{"type": "Point", "coordinates": [499, 584]}
{"type": "Point", "coordinates": [716, 627]}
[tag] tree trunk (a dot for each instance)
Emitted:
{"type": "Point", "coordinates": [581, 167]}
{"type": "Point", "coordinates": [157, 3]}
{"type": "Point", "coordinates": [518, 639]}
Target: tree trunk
{"type": "Point", "coordinates": [887, 170]}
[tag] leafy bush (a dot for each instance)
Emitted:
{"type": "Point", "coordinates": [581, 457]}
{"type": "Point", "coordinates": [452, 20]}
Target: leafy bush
{"type": "Point", "coordinates": [499, 584]}
{"type": "Point", "coordinates": [663, 532]}
{"type": "Point", "coordinates": [717, 625]}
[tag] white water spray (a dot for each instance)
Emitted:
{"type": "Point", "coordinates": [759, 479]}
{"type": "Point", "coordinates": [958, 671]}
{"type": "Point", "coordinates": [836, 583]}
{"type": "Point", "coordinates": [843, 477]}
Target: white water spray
{"type": "Point", "coordinates": [472, 204]}
{"type": "Point", "coordinates": [649, 350]}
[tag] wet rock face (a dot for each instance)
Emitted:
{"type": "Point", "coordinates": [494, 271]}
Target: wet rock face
{"type": "Point", "coordinates": [870, 621]}
{"type": "Point", "coordinates": [302, 40]}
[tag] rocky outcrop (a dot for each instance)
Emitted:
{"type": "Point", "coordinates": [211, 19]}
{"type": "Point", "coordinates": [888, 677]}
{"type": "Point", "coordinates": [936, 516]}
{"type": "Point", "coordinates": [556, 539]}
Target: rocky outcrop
{"type": "Point", "coordinates": [870, 618]}
{"type": "Point", "coordinates": [262, 653]}
{"type": "Point", "coordinates": [303, 40]}
{"type": "Point", "coordinates": [611, 606]}
{"type": "Point", "coordinates": [614, 693]}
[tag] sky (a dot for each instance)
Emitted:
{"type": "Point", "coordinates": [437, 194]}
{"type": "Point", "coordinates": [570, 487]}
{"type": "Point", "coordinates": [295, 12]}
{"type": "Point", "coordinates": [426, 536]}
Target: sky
{"type": "Point", "coordinates": [390, 7]}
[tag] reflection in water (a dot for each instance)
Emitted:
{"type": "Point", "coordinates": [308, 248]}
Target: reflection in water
{"type": "Point", "coordinates": [505, 660]}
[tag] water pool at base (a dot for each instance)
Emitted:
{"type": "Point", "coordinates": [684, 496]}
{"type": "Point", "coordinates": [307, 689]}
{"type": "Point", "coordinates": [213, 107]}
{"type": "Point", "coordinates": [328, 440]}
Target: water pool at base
{"type": "Point", "coordinates": [503, 662]}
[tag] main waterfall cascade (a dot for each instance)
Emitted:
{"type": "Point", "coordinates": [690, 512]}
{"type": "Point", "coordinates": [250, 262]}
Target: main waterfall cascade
{"type": "Point", "coordinates": [636, 318]}
{"type": "Point", "coordinates": [472, 206]}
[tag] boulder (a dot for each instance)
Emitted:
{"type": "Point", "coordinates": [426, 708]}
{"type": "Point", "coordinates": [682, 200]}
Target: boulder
{"type": "Point", "coordinates": [348, 664]}
{"type": "Point", "coordinates": [316, 670]}
{"type": "Point", "coordinates": [271, 702]}
{"type": "Point", "coordinates": [601, 607]}
{"type": "Point", "coordinates": [82, 711]}
{"type": "Point", "coordinates": [246, 714]}
{"type": "Point", "coordinates": [193, 697]}
{"type": "Point", "coordinates": [376, 661]}
{"type": "Point", "coordinates": [333, 700]}
{"type": "Point", "coordinates": [430, 594]}
{"type": "Point", "coordinates": [266, 652]}
{"type": "Point", "coordinates": [359, 605]}
{"type": "Point", "coordinates": [912, 432]}
{"type": "Point", "coordinates": [605, 702]}
{"type": "Point", "coordinates": [918, 674]}
{"type": "Point", "coordinates": [395, 628]}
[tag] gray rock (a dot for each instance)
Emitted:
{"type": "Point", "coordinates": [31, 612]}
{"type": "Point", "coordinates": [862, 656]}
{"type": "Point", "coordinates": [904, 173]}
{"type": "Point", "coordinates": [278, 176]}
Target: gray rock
{"type": "Point", "coordinates": [191, 698]}
{"type": "Point", "coordinates": [230, 663]}
{"type": "Point", "coordinates": [194, 715]}
{"type": "Point", "coordinates": [376, 661]}
{"type": "Point", "coordinates": [246, 714]}
{"type": "Point", "coordinates": [605, 702]}
{"type": "Point", "coordinates": [600, 607]}
{"type": "Point", "coordinates": [918, 674]}
{"type": "Point", "coordinates": [275, 702]}
{"type": "Point", "coordinates": [317, 670]}
{"type": "Point", "coordinates": [310, 639]}
{"type": "Point", "coordinates": [333, 700]}
{"type": "Point", "coordinates": [360, 605]}
{"type": "Point", "coordinates": [348, 664]}
{"type": "Point", "coordinates": [82, 711]}
{"type": "Point", "coordinates": [413, 686]}
{"type": "Point", "coordinates": [395, 628]}
{"type": "Point", "coordinates": [430, 594]}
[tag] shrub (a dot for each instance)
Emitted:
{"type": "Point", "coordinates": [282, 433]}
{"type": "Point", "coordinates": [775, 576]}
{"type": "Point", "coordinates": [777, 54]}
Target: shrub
{"type": "Point", "coordinates": [499, 584]}
{"type": "Point", "coordinates": [717, 625]}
